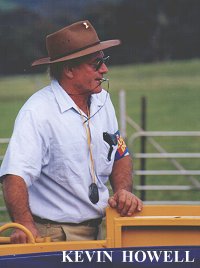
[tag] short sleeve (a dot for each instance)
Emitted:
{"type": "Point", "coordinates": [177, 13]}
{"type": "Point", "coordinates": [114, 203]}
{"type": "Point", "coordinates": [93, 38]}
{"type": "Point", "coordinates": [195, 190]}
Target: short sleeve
{"type": "Point", "coordinates": [25, 150]}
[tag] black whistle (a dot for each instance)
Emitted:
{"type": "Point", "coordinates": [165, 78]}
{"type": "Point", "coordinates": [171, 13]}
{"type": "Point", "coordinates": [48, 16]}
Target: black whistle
{"type": "Point", "coordinates": [93, 193]}
{"type": "Point", "coordinates": [111, 139]}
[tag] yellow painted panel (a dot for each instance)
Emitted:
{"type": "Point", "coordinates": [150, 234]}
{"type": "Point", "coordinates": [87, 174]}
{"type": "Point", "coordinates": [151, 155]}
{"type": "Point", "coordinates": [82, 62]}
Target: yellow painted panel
{"type": "Point", "coordinates": [162, 225]}
{"type": "Point", "coordinates": [174, 236]}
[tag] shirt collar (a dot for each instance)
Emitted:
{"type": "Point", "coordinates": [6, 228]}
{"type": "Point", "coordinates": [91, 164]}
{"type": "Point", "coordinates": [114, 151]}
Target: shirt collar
{"type": "Point", "coordinates": [97, 99]}
{"type": "Point", "coordinates": [65, 102]}
{"type": "Point", "coordinates": [63, 99]}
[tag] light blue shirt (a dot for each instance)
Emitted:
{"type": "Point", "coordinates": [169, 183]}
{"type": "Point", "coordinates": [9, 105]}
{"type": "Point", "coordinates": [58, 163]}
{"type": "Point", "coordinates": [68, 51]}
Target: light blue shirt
{"type": "Point", "coordinates": [49, 150]}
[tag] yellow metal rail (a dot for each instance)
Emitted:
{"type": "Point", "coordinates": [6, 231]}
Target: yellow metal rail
{"type": "Point", "coordinates": [31, 239]}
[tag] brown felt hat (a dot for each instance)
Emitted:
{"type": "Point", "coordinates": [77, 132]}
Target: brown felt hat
{"type": "Point", "coordinates": [74, 41]}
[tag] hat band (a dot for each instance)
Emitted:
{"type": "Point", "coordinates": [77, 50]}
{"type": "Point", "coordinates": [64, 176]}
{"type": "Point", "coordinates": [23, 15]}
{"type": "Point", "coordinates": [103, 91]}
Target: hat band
{"type": "Point", "coordinates": [72, 52]}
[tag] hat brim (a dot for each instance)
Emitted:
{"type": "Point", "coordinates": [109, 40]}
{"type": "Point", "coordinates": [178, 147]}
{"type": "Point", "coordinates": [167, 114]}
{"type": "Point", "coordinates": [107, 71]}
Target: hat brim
{"type": "Point", "coordinates": [101, 46]}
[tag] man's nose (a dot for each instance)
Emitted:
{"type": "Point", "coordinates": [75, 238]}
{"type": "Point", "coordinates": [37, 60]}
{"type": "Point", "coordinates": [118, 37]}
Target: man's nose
{"type": "Point", "coordinates": [103, 69]}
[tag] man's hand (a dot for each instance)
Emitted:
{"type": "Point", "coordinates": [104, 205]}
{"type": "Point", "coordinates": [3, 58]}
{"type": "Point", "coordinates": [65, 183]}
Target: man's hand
{"type": "Point", "coordinates": [19, 237]}
{"type": "Point", "coordinates": [125, 202]}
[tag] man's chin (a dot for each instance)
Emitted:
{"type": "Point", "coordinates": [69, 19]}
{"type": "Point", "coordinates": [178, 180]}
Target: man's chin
{"type": "Point", "coordinates": [97, 90]}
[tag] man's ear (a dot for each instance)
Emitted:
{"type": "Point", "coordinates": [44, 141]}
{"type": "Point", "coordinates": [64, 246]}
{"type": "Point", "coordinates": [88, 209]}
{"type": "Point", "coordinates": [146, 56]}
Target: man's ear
{"type": "Point", "coordinates": [68, 72]}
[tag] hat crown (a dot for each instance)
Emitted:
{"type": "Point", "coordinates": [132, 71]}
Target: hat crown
{"type": "Point", "coordinates": [74, 41]}
{"type": "Point", "coordinates": [73, 38]}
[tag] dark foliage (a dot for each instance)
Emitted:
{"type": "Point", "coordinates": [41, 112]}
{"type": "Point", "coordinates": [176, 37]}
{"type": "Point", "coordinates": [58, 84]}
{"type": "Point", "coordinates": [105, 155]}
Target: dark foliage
{"type": "Point", "coordinates": [150, 30]}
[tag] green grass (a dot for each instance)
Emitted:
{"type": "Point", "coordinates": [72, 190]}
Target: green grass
{"type": "Point", "coordinates": [173, 98]}
{"type": "Point", "coordinates": [13, 93]}
{"type": "Point", "coordinates": [172, 90]}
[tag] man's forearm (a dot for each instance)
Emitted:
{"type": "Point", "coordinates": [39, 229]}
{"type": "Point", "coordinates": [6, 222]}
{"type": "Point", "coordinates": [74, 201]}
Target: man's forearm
{"type": "Point", "coordinates": [121, 181]}
{"type": "Point", "coordinates": [16, 198]}
{"type": "Point", "coordinates": [121, 177]}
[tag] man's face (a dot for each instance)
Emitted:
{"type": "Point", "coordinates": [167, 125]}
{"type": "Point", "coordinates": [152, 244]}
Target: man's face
{"type": "Point", "coordinates": [88, 75]}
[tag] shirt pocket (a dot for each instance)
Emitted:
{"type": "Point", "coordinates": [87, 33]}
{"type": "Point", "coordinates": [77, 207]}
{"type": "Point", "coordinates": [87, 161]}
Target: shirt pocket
{"type": "Point", "coordinates": [66, 159]}
{"type": "Point", "coordinates": [105, 165]}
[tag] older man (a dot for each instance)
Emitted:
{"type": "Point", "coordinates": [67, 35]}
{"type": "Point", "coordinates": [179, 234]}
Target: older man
{"type": "Point", "coordinates": [66, 144]}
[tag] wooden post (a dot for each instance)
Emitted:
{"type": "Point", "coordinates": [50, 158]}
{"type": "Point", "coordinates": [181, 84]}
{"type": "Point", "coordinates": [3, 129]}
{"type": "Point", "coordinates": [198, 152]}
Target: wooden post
{"type": "Point", "coordinates": [122, 111]}
{"type": "Point", "coordinates": [143, 146]}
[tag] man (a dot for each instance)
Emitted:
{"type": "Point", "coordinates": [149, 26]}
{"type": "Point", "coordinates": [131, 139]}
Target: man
{"type": "Point", "coordinates": [66, 144]}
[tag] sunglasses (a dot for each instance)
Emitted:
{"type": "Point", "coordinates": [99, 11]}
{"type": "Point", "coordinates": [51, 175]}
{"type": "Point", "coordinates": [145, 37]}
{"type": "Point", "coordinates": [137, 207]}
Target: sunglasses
{"type": "Point", "coordinates": [99, 62]}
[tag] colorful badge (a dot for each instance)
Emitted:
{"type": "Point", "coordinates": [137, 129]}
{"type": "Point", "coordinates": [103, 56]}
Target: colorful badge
{"type": "Point", "coordinates": [122, 149]}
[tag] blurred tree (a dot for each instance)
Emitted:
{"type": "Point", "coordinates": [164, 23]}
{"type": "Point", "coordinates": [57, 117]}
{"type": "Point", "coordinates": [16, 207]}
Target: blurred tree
{"type": "Point", "coordinates": [22, 34]}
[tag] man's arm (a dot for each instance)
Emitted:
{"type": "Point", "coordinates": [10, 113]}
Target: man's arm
{"type": "Point", "coordinates": [123, 199]}
{"type": "Point", "coordinates": [16, 198]}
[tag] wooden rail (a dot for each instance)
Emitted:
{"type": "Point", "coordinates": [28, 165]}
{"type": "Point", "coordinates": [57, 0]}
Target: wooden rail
{"type": "Point", "coordinates": [156, 225]}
